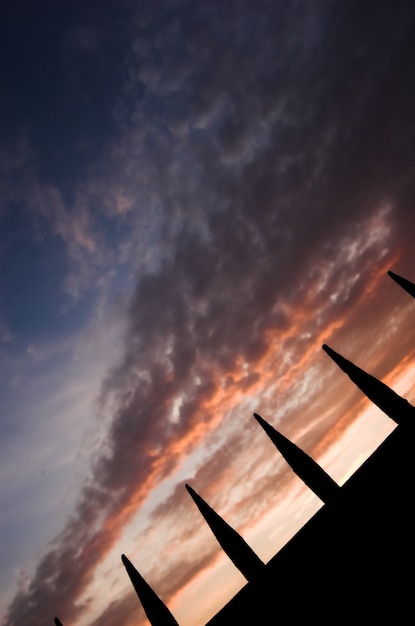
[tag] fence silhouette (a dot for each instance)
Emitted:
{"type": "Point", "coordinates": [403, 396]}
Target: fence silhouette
{"type": "Point", "coordinates": [353, 559]}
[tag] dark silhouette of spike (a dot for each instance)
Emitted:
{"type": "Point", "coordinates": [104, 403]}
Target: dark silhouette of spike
{"type": "Point", "coordinates": [404, 283]}
{"type": "Point", "coordinates": [303, 465]}
{"type": "Point", "coordinates": [388, 401]}
{"type": "Point", "coordinates": [235, 546]}
{"type": "Point", "coordinates": [157, 612]}
{"type": "Point", "coordinates": [58, 622]}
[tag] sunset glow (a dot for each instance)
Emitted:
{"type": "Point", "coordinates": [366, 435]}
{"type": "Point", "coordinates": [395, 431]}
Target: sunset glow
{"type": "Point", "coordinates": [196, 196]}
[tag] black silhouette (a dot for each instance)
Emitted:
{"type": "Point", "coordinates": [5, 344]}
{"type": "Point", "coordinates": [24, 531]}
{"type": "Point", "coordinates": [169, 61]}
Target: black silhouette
{"type": "Point", "coordinates": [395, 407]}
{"type": "Point", "coordinates": [156, 611]}
{"type": "Point", "coordinates": [404, 283]}
{"type": "Point", "coordinates": [240, 553]}
{"type": "Point", "coordinates": [303, 465]}
{"type": "Point", "coordinates": [352, 561]}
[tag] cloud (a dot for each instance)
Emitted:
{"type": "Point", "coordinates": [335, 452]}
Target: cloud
{"type": "Point", "coordinates": [256, 191]}
{"type": "Point", "coordinates": [144, 446]}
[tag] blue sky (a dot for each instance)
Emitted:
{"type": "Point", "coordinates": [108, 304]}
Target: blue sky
{"type": "Point", "coordinates": [194, 197]}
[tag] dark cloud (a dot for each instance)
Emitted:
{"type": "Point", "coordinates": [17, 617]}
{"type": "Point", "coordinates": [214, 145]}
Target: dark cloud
{"type": "Point", "coordinates": [256, 141]}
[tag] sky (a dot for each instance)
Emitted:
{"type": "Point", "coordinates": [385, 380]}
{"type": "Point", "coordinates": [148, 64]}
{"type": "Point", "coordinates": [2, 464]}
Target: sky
{"type": "Point", "coordinates": [195, 196]}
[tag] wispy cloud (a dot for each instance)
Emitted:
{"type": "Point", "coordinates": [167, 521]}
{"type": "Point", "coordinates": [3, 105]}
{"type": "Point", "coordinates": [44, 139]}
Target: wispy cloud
{"type": "Point", "coordinates": [245, 211]}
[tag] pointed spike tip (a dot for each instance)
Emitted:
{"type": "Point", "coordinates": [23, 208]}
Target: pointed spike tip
{"type": "Point", "coordinates": [406, 284]}
{"type": "Point", "coordinates": [303, 465]}
{"type": "Point", "coordinates": [387, 400]}
{"type": "Point", "coordinates": [157, 612]}
{"type": "Point", "coordinates": [258, 418]}
{"type": "Point", "coordinates": [190, 491]}
{"type": "Point", "coordinates": [240, 553]}
{"type": "Point", "coordinates": [337, 358]}
{"type": "Point", "coordinates": [270, 430]}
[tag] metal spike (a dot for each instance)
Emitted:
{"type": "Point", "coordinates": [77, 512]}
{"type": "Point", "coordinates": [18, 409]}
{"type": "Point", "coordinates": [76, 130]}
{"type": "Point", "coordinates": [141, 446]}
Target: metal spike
{"type": "Point", "coordinates": [157, 612]}
{"type": "Point", "coordinates": [403, 282]}
{"type": "Point", "coordinates": [303, 465]}
{"type": "Point", "coordinates": [235, 546]}
{"type": "Point", "coordinates": [388, 401]}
